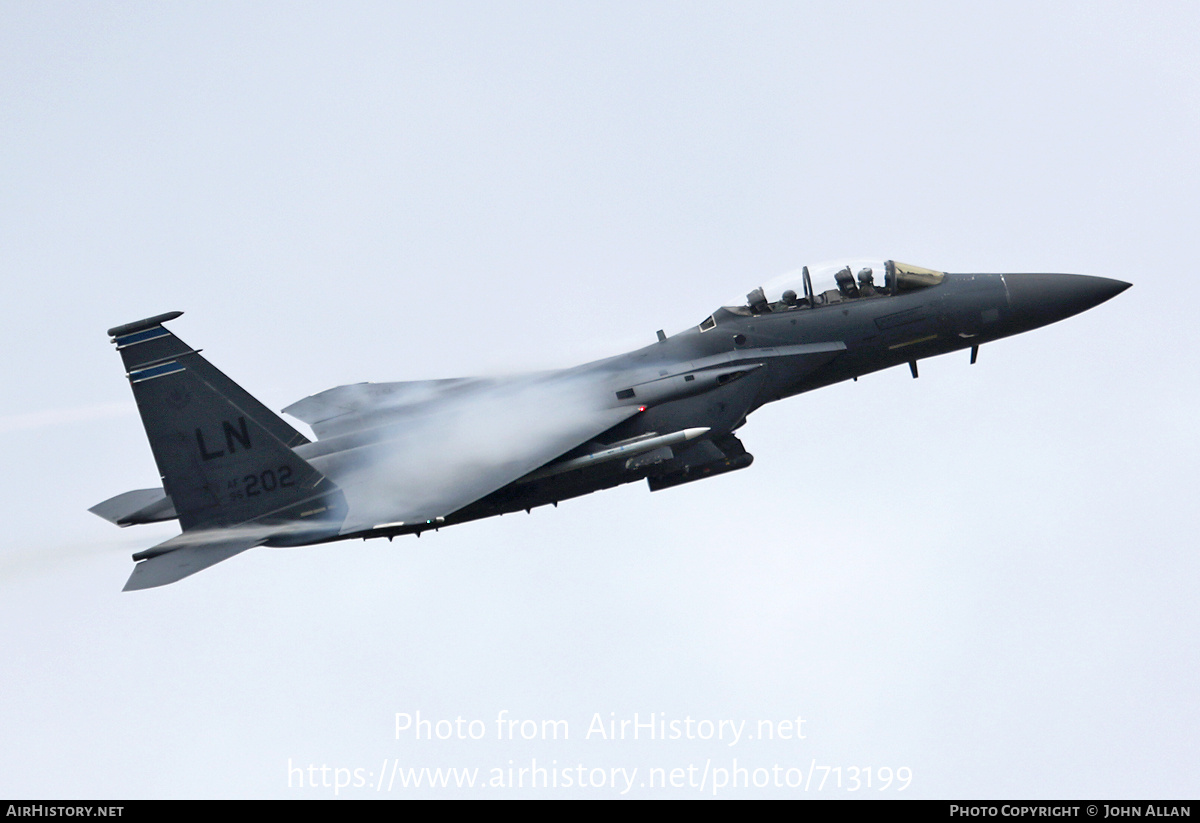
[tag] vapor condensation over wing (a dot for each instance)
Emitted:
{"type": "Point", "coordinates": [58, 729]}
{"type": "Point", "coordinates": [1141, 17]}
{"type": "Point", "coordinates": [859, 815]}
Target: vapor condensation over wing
{"type": "Point", "coordinates": [401, 457]}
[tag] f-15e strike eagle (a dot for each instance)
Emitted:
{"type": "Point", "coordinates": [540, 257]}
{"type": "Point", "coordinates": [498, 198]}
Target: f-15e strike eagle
{"type": "Point", "coordinates": [401, 458]}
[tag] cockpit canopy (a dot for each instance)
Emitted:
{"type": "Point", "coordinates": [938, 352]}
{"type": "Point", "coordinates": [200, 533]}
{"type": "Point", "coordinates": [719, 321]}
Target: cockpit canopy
{"type": "Point", "coordinates": [829, 283]}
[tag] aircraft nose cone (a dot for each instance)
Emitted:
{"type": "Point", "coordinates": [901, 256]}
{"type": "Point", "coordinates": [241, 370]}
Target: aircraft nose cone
{"type": "Point", "coordinates": [1037, 299]}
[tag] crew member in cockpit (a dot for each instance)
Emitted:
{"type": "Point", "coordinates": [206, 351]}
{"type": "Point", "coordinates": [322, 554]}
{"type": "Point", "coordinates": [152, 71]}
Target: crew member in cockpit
{"type": "Point", "coordinates": [845, 284]}
{"type": "Point", "coordinates": [866, 283]}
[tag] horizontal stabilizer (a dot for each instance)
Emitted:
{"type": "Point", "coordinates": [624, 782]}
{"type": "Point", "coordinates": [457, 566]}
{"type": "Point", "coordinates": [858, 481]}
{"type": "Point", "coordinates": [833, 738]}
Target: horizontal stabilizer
{"type": "Point", "coordinates": [136, 507]}
{"type": "Point", "coordinates": [186, 554]}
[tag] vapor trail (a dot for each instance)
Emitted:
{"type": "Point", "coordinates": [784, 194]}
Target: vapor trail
{"type": "Point", "coordinates": [46, 418]}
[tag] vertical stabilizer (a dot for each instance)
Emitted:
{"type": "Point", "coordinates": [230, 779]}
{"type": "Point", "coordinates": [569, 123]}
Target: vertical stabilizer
{"type": "Point", "coordinates": [225, 458]}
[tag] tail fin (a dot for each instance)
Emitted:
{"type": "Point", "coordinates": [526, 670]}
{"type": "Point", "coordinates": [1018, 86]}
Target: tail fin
{"type": "Point", "coordinates": [225, 458]}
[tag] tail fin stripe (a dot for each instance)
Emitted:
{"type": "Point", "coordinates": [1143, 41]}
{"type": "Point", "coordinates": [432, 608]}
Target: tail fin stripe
{"type": "Point", "coordinates": [154, 371]}
{"type": "Point", "coordinates": [136, 367]}
{"type": "Point", "coordinates": [140, 337]}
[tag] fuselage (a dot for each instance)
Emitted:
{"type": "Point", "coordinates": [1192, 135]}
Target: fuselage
{"type": "Point", "coordinates": [771, 351]}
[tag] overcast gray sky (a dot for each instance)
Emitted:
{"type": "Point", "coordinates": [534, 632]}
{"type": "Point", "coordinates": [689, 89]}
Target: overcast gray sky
{"type": "Point", "coordinates": [993, 585]}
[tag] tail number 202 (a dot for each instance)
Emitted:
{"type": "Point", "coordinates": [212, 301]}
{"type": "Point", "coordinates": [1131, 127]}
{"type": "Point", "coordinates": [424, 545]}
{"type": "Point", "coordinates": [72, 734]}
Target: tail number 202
{"type": "Point", "coordinates": [268, 480]}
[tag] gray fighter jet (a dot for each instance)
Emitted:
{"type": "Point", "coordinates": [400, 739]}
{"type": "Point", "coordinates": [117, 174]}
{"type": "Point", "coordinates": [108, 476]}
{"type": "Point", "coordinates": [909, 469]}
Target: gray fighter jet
{"type": "Point", "coordinates": [401, 458]}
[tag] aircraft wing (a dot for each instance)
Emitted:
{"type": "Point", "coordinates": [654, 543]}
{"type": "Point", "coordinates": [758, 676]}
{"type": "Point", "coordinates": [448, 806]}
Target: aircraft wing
{"type": "Point", "coordinates": [413, 453]}
{"type": "Point", "coordinates": [345, 409]}
{"type": "Point", "coordinates": [187, 553]}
